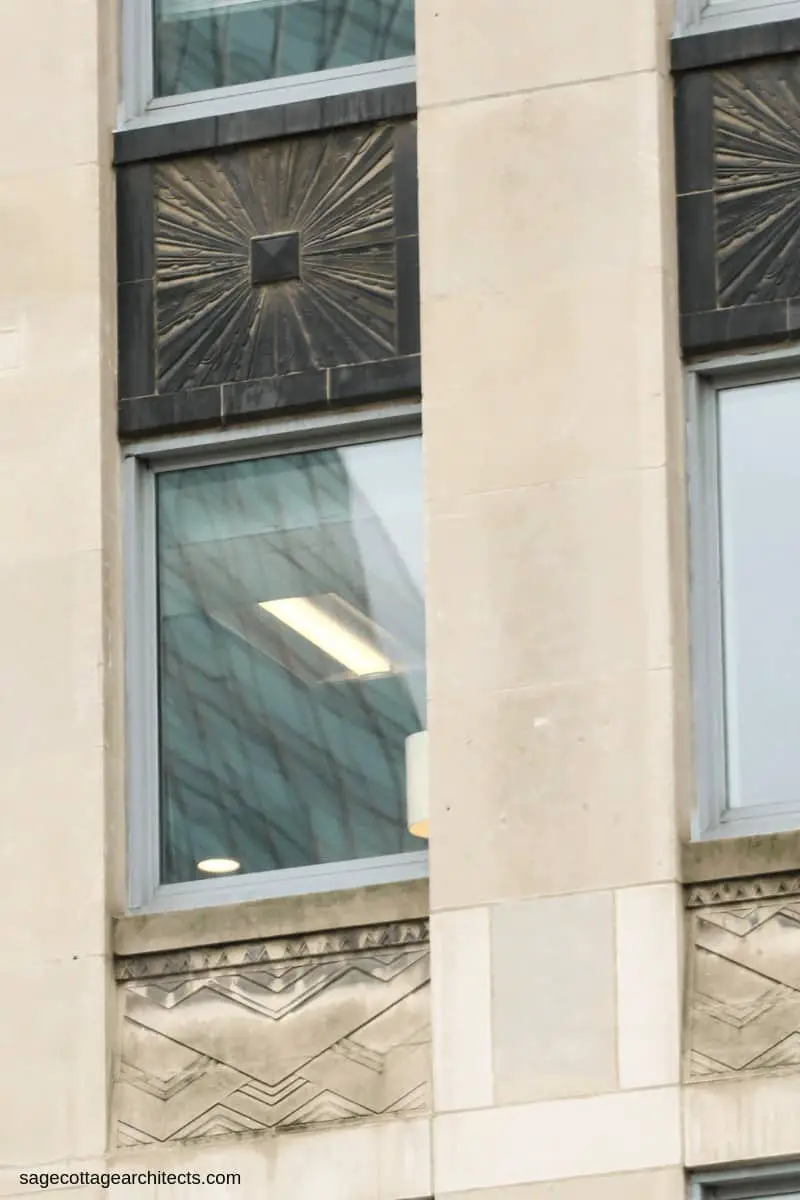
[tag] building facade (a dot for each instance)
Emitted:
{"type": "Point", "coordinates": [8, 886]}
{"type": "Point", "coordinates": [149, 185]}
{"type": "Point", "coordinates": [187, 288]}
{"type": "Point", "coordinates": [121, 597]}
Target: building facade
{"type": "Point", "coordinates": [387, 381]}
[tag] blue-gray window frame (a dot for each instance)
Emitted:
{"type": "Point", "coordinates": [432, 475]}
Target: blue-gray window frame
{"type": "Point", "coordinates": [712, 817]}
{"type": "Point", "coordinates": [141, 463]}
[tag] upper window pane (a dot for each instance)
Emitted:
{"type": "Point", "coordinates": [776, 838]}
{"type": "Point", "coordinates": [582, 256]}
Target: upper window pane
{"type": "Point", "coordinates": [291, 653]}
{"type": "Point", "coordinates": [700, 16]}
{"type": "Point", "coordinates": [201, 44]}
{"type": "Point", "coordinates": [759, 475]}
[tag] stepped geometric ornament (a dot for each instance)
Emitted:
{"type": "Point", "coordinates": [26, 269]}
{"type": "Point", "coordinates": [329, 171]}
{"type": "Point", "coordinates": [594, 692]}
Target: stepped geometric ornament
{"type": "Point", "coordinates": [744, 988]}
{"type": "Point", "coordinates": [276, 1035]}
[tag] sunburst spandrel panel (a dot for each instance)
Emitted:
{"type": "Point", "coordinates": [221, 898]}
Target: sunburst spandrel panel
{"type": "Point", "coordinates": [336, 191]}
{"type": "Point", "coordinates": [757, 182]}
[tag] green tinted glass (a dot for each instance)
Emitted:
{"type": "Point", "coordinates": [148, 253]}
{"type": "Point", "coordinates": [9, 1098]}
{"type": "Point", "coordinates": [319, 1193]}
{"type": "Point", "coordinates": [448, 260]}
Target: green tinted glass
{"type": "Point", "coordinates": [291, 657]}
{"type": "Point", "coordinates": [201, 44]}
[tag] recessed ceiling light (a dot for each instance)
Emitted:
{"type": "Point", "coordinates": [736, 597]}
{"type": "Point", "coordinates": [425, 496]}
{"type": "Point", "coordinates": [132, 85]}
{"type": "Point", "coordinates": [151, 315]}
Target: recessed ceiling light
{"type": "Point", "coordinates": [330, 635]}
{"type": "Point", "coordinates": [219, 866]}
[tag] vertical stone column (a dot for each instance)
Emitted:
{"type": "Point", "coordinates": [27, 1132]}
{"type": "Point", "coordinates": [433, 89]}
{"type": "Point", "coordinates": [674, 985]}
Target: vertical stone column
{"type": "Point", "coordinates": [549, 369]}
{"type": "Point", "coordinates": [58, 508]}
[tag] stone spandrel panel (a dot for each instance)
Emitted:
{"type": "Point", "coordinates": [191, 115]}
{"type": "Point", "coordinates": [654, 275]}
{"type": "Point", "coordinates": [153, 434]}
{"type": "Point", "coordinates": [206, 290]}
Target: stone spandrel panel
{"type": "Point", "coordinates": [272, 275]}
{"type": "Point", "coordinates": [757, 122]}
{"type": "Point", "coordinates": [216, 320]}
{"type": "Point", "coordinates": [743, 1008]}
{"type": "Point", "coordinates": [275, 1035]}
{"type": "Point", "coordinates": [738, 171]}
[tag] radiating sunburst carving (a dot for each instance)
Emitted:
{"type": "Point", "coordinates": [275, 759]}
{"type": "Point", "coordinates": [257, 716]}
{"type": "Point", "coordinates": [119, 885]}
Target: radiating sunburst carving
{"type": "Point", "coordinates": [757, 182]}
{"type": "Point", "coordinates": [336, 191]}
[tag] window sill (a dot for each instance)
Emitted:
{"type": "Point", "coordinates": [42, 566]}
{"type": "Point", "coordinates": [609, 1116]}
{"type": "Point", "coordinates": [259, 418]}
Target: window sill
{"type": "Point", "coordinates": [736, 858]}
{"type": "Point", "coordinates": [285, 916]}
{"type": "Point", "coordinates": [197, 134]}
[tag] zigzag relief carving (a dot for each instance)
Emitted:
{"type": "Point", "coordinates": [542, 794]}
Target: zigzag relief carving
{"type": "Point", "coordinates": [744, 989]}
{"type": "Point", "coordinates": [243, 954]}
{"type": "Point", "coordinates": [729, 891]}
{"type": "Point", "coordinates": [274, 1045]}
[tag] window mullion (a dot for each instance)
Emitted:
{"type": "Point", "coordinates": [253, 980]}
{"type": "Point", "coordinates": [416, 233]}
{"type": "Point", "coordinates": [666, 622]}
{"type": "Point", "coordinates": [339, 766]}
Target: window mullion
{"type": "Point", "coordinates": [142, 683]}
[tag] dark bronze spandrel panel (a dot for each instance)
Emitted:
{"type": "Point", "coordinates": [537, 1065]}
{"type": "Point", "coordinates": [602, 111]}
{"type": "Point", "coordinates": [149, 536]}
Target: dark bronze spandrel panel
{"type": "Point", "coordinates": [737, 142]}
{"type": "Point", "coordinates": [289, 263]}
{"type": "Point", "coordinates": [335, 193]}
{"type": "Point", "coordinates": [757, 181]}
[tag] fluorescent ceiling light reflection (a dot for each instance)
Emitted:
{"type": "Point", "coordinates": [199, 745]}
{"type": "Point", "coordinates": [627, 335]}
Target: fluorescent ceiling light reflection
{"type": "Point", "coordinates": [305, 617]}
{"type": "Point", "coordinates": [219, 866]}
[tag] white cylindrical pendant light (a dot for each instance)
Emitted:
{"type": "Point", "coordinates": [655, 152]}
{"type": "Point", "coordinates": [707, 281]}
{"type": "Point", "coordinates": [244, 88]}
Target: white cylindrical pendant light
{"type": "Point", "coordinates": [417, 783]}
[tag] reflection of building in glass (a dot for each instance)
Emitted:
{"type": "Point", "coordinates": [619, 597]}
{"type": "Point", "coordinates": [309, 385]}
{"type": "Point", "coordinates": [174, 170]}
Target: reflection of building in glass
{"type": "Point", "coordinates": [205, 45]}
{"type": "Point", "coordinates": [272, 751]}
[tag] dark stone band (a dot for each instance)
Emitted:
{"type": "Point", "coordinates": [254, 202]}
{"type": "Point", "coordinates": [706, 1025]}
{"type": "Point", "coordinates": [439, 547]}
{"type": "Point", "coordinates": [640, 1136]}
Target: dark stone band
{"type": "Point", "coordinates": [721, 46]}
{"type": "Point", "coordinates": [199, 134]}
{"type": "Point", "coordinates": [224, 405]}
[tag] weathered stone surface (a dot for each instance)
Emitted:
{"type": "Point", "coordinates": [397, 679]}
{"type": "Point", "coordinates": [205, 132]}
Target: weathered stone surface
{"type": "Point", "coordinates": [743, 1007]}
{"type": "Point", "coordinates": [275, 1034]}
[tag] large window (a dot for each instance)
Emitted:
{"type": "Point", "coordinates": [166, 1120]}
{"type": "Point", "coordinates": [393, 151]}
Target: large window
{"type": "Point", "coordinates": [276, 667]}
{"type": "Point", "coordinates": [187, 57]}
{"type": "Point", "coordinates": [703, 16]}
{"type": "Point", "coordinates": [748, 1183]}
{"type": "Point", "coordinates": [746, 585]}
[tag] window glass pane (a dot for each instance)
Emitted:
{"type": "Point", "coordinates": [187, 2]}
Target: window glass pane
{"type": "Point", "coordinates": [693, 16]}
{"type": "Point", "coordinates": [203, 44]}
{"type": "Point", "coordinates": [291, 644]}
{"type": "Point", "coordinates": [759, 469]}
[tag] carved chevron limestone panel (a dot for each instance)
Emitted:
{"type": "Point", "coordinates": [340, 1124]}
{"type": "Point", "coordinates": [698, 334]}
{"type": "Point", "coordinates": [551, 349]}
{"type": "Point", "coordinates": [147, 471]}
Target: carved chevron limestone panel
{"type": "Point", "coordinates": [274, 1035]}
{"type": "Point", "coordinates": [744, 981]}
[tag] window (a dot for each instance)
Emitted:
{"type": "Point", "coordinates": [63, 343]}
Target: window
{"type": "Point", "coordinates": [745, 469]}
{"type": "Point", "coordinates": [752, 1183]}
{"type": "Point", "coordinates": [701, 16]}
{"type": "Point", "coordinates": [196, 57]}
{"type": "Point", "coordinates": [276, 664]}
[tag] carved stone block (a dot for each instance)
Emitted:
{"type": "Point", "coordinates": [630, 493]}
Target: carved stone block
{"type": "Point", "coordinates": [274, 258]}
{"type": "Point", "coordinates": [743, 1006]}
{"type": "Point", "coordinates": [274, 1035]}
